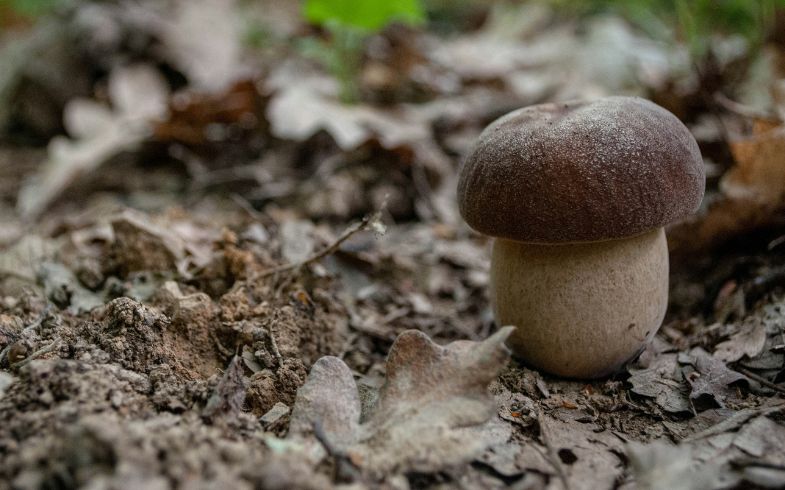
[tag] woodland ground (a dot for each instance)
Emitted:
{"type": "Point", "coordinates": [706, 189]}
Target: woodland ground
{"type": "Point", "coordinates": [208, 221]}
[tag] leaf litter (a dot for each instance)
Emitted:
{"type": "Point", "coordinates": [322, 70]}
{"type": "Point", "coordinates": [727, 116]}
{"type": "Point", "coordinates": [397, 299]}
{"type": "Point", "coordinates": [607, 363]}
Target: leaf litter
{"type": "Point", "coordinates": [240, 340]}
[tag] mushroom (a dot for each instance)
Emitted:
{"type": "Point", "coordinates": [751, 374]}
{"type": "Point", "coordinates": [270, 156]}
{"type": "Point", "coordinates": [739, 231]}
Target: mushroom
{"type": "Point", "coordinates": [577, 195]}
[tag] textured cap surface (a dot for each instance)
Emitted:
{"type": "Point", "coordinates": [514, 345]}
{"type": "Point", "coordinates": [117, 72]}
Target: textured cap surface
{"type": "Point", "coordinates": [581, 171]}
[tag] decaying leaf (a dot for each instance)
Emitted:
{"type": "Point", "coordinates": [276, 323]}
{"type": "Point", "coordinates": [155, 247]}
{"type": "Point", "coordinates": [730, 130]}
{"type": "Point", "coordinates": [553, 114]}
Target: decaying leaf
{"type": "Point", "coordinates": [586, 453]}
{"type": "Point", "coordinates": [138, 94]}
{"type": "Point", "coordinates": [433, 411]}
{"type": "Point", "coordinates": [147, 245]}
{"type": "Point", "coordinates": [752, 192]}
{"type": "Point", "coordinates": [229, 395]}
{"type": "Point", "coordinates": [711, 383]}
{"type": "Point", "coordinates": [664, 382]}
{"type": "Point", "coordinates": [748, 341]}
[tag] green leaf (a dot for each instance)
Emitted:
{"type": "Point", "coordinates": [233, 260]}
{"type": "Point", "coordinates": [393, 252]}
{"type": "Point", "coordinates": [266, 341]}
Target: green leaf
{"type": "Point", "coordinates": [367, 15]}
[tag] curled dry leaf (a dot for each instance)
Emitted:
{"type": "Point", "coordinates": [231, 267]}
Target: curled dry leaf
{"type": "Point", "coordinates": [433, 411]}
{"type": "Point", "coordinates": [664, 382]}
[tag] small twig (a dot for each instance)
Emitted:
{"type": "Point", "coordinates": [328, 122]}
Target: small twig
{"type": "Point", "coordinates": [734, 421]}
{"type": "Point", "coordinates": [44, 350]}
{"type": "Point", "coordinates": [274, 347]}
{"type": "Point", "coordinates": [760, 379]}
{"type": "Point", "coordinates": [246, 206]}
{"type": "Point", "coordinates": [361, 225]}
{"type": "Point", "coordinates": [748, 462]}
{"type": "Point", "coordinates": [218, 345]}
{"type": "Point", "coordinates": [552, 456]}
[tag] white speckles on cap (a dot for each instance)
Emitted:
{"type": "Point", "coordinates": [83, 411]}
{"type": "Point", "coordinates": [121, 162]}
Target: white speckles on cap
{"type": "Point", "coordinates": [581, 171]}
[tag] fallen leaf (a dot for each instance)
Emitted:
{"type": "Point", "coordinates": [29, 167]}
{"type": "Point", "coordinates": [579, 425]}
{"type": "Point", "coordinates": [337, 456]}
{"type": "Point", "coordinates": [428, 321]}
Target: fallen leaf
{"type": "Point", "coordinates": [229, 395]}
{"type": "Point", "coordinates": [304, 103]}
{"type": "Point", "coordinates": [204, 40]}
{"type": "Point", "coordinates": [752, 194]}
{"type": "Point", "coordinates": [587, 454]}
{"type": "Point", "coordinates": [433, 411]}
{"type": "Point", "coordinates": [748, 341]}
{"type": "Point", "coordinates": [764, 439]}
{"type": "Point", "coordinates": [711, 386]}
{"type": "Point", "coordinates": [663, 381]}
{"type": "Point", "coordinates": [138, 94]}
{"type": "Point", "coordinates": [63, 288]}
{"type": "Point", "coordinates": [663, 466]}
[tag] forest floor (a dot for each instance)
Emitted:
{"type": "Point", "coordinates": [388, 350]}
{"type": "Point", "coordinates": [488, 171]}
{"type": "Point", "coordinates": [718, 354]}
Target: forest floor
{"type": "Point", "coordinates": [164, 297]}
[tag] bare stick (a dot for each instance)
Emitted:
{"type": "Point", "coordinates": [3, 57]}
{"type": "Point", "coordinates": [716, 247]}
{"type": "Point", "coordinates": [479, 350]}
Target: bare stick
{"type": "Point", "coordinates": [35, 355]}
{"type": "Point", "coordinates": [734, 421]}
{"type": "Point", "coordinates": [760, 379]}
{"type": "Point", "coordinates": [743, 110]}
{"type": "Point", "coordinates": [364, 224]}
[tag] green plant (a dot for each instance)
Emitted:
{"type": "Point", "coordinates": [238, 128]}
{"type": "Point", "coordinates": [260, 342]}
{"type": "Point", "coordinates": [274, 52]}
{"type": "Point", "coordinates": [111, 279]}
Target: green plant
{"type": "Point", "coordinates": [693, 21]}
{"type": "Point", "coordinates": [30, 8]}
{"type": "Point", "coordinates": [349, 23]}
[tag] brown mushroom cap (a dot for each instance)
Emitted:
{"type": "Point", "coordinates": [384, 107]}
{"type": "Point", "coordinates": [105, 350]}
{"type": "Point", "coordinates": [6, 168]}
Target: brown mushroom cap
{"type": "Point", "coordinates": [581, 171]}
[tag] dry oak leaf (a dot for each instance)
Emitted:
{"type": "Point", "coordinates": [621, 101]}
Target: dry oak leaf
{"type": "Point", "coordinates": [752, 193]}
{"type": "Point", "coordinates": [433, 411]}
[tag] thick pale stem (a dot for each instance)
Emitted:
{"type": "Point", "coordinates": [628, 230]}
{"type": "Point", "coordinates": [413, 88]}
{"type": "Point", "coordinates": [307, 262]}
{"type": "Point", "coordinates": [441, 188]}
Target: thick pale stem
{"type": "Point", "coordinates": [582, 310]}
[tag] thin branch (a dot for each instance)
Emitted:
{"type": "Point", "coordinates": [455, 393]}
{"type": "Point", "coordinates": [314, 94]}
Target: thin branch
{"type": "Point", "coordinates": [35, 355]}
{"type": "Point", "coordinates": [367, 222]}
{"type": "Point", "coordinates": [760, 379]}
{"type": "Point", "coordinates": [743, 110]}
{"type": "Point", "coordinates": [734, 421]}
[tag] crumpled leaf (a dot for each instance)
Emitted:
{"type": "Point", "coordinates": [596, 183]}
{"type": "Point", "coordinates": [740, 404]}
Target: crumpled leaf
{"type": "Point", "coordinates": [138, 94]}
{"type": "Point", "coordinates": [711, 386]}
{"type": "Point", "coordinates": [748, 341]}
{"type": "Point", "coordinates": [147, 245]}
{"type": "Point", "coordinates": [664, 382]}
{"type": "Point", "coordinates": [433, 411]}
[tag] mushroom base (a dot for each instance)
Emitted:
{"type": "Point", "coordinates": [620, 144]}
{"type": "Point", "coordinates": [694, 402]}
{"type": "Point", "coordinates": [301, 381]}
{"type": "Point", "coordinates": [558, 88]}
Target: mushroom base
{"type": "Point", "coordinates": [582, 310]}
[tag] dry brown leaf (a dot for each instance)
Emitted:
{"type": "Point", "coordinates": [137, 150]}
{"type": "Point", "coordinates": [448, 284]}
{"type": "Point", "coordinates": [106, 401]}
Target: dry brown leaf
{"type": "Point", "coordinates": [759, 173]}
{"type": "Point", "coordinates": [433, 411]}
{"type": "Point", "coordinates": [711, 382]}
{"type": "Point", "coordinates": [748, 341]}
{"type": "Point", "coordinates": [663, 381]}
{"type": "Point", "coordinates": [752, 193]}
